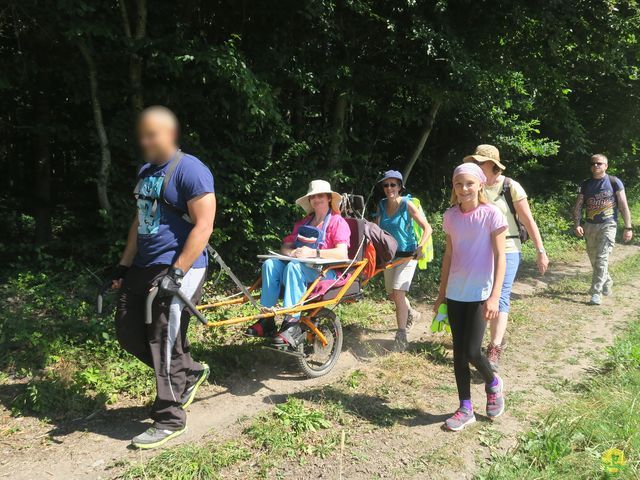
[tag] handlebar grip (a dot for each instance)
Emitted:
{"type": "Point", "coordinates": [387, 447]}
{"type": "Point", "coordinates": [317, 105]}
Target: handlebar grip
{"type": "Point", "coordinates": [99, 304]}
{"type": "Point", "coordinates": [148, 311]}
{"type": "Point", "coordinates": [106, 286]}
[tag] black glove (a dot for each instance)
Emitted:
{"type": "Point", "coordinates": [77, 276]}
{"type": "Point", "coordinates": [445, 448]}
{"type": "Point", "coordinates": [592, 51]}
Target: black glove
{"type": "Point", "coordinates": [170, 283]}
{"type": "Point", "coordinates": [118, 273]}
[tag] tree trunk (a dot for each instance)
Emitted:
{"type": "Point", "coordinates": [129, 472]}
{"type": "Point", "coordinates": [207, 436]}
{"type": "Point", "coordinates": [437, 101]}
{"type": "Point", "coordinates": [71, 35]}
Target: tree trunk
{"type": "Point", "coordinates": [134, 37]}
{"type": "Point", "coordinates": [337, 129]}
{"type": "Point", "coordinates": [426, 131]}
{"type": "Point", "coordinates": [42, 194]}
{"type": "Point", "coordinates": [298, 118]}
{"type": "Point", "coordinates": [102, 180]}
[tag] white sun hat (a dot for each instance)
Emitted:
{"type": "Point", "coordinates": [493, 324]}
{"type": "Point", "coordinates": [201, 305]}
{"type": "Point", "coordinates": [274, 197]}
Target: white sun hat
{"type": "Point", "coordinates": [316, 187]}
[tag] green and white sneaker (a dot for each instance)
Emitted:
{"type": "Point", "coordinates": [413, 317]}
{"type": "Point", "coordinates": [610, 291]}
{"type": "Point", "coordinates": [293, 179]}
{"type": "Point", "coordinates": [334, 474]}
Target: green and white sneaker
{"type": "Point", "coordinates": [189, 394]}
{"type": "Point", "coordinates": [595, 299]}
{"type": "Point", "coordinates": [155, 437]}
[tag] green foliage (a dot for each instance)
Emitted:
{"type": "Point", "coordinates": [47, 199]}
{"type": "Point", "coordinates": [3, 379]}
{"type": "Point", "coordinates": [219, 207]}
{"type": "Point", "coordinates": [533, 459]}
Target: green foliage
{"type": "Point", "coordinates": [553, 217]}
{"type": "Point", "coordinates": [571, 441]}
{"type": "Point", "coordinates": [50, 335]}
{"type": "Point", "coordinates": [341, 92]}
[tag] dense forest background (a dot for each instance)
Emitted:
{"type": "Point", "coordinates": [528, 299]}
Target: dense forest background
{"type": "Point", "coordinates": [273, 94]}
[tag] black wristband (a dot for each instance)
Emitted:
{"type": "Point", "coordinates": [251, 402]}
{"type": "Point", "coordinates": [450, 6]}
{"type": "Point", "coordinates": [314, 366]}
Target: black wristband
{"type": "Point", "coordinates": [120, 271]}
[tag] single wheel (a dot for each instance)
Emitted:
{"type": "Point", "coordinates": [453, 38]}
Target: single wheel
{"type": "Point", "coordinates": [316, 359]}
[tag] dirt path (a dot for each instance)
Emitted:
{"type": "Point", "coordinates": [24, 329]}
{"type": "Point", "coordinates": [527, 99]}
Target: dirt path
{"type": "Point", "coordinates": [412, 447]}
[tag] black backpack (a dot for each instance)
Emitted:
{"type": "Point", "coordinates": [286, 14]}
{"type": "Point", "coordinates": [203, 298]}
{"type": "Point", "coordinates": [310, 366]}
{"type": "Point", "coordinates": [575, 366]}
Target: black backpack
{"type": "Point", "coordinates": [523, 235]}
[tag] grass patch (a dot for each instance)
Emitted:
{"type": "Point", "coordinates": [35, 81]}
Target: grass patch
{"type": "Point", "coordinates": [189, 462]}
{"type": "Point", "coordinates": [576, 438]}
{"type": "Point", "coordinates": [367, 312]}
{"type": "Point", "coordinates": [291, 430]}
{"type": "Point", "coordinates": [281, 432]}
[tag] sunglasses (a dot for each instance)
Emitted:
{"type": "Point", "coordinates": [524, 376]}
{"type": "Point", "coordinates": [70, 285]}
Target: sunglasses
{"type": "Point", "coordinates": [597, 164]}
{"type": "Point", "coordinates": [389, 185]}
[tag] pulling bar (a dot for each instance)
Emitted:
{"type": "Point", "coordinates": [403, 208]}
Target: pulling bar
{"type": "Point", "coordinates": [216, 256]}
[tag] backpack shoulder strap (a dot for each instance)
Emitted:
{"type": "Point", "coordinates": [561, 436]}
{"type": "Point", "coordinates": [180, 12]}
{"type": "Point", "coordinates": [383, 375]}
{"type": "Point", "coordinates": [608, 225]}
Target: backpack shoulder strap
{"type": "Point", "coordinates": [506, 191]}
{"type": "Point", "coordinates": [614, 183]}
{"type": "Point", "coordinates": [167, 176]}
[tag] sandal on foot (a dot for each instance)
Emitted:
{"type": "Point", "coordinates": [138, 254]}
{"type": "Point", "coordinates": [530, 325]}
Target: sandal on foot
{"type": "Point", "coordinates": [290, 334]}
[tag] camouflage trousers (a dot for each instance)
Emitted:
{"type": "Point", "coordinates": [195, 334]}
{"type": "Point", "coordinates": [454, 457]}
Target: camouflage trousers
{"type": "Point", "coordinates": [600, 238]}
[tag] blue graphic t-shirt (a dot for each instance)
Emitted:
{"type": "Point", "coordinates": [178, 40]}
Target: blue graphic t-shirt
{"type": "Point", "coordinates": [600, 200]}
{"type": "Point", "coordinates": [162, 232]}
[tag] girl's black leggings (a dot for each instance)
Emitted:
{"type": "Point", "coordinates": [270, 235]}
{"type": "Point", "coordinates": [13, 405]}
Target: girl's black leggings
{"type": "Point", "coordinates": [467, 328]}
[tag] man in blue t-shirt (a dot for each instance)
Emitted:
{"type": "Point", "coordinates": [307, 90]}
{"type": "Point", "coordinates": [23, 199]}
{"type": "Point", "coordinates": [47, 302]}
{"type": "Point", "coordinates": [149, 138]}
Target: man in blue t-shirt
{"type": "Point", "coordinates": [166, 246]}
{"type": "Point", "coordinates": [601, 196]}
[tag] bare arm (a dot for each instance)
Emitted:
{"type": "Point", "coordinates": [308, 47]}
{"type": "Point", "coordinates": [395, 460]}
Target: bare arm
{"type": "Point", "coordinates": [623, 205]}
{"type": "Point", "coordinates": [577, 215]}
{"type": "Point", "coordinates": [444, 274]}
{"type": "Point", "coordinates": [526, 218]}
{"type": "Point", "coordinates": [202, 211]}
{"type": "Point", "coordinates": [287, 248]}
{"type": "Point", "coordinates": [340, 252]}
{"type": "Point", "coordinates": [491, 306]}
{"type": "Point", "coordinates": [422, 221]}
{"type": "Point", "coordinates": [132, 244]}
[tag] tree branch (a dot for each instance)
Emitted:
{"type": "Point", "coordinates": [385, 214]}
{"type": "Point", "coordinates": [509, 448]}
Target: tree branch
{"type": "Point", "coordinates": [125, 18]}
{"type": "Point", "coordinates": [105, 153]}
{"type": "Point", "coordinates": [426, 131]}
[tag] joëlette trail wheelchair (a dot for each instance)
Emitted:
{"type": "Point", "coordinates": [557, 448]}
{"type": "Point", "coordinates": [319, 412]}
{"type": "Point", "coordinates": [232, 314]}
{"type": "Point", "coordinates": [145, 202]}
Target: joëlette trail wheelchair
{"type": "Point", "coordinates": [322, 341]}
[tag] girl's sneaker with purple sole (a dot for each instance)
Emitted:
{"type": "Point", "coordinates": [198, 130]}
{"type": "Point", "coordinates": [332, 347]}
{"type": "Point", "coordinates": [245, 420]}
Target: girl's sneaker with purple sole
{"type": "Point", "coordinates": [461, 419]}
{"type": "Point", "coordinates": [495, 399]}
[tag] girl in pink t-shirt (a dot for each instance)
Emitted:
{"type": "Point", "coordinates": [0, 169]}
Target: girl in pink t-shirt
{"type": "Point", "coordinates": [473, 270]}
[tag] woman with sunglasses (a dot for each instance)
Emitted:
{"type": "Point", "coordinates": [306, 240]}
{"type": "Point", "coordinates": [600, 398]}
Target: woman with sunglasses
{"type": "Point", "coordinates": [396, 214]}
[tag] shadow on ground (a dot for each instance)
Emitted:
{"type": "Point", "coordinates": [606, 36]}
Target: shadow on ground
{"type": "Point", "coordinates": [373, 409]}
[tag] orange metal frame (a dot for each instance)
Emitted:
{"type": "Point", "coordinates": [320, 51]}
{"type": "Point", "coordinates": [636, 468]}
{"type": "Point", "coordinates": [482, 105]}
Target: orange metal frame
{"type": "Point", "coordinates": [311, 308]}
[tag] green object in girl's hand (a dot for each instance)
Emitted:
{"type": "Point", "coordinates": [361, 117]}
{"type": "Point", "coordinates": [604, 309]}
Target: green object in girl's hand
{"type": "Point", "coordinates": [440, 322]}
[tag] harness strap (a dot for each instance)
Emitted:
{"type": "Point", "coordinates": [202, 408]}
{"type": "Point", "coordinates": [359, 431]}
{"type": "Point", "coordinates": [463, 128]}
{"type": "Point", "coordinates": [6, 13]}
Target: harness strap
{"type": "Point", "coordinates": [325, 225]}
{"type": "Point", "coordinates": [506, 193]}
